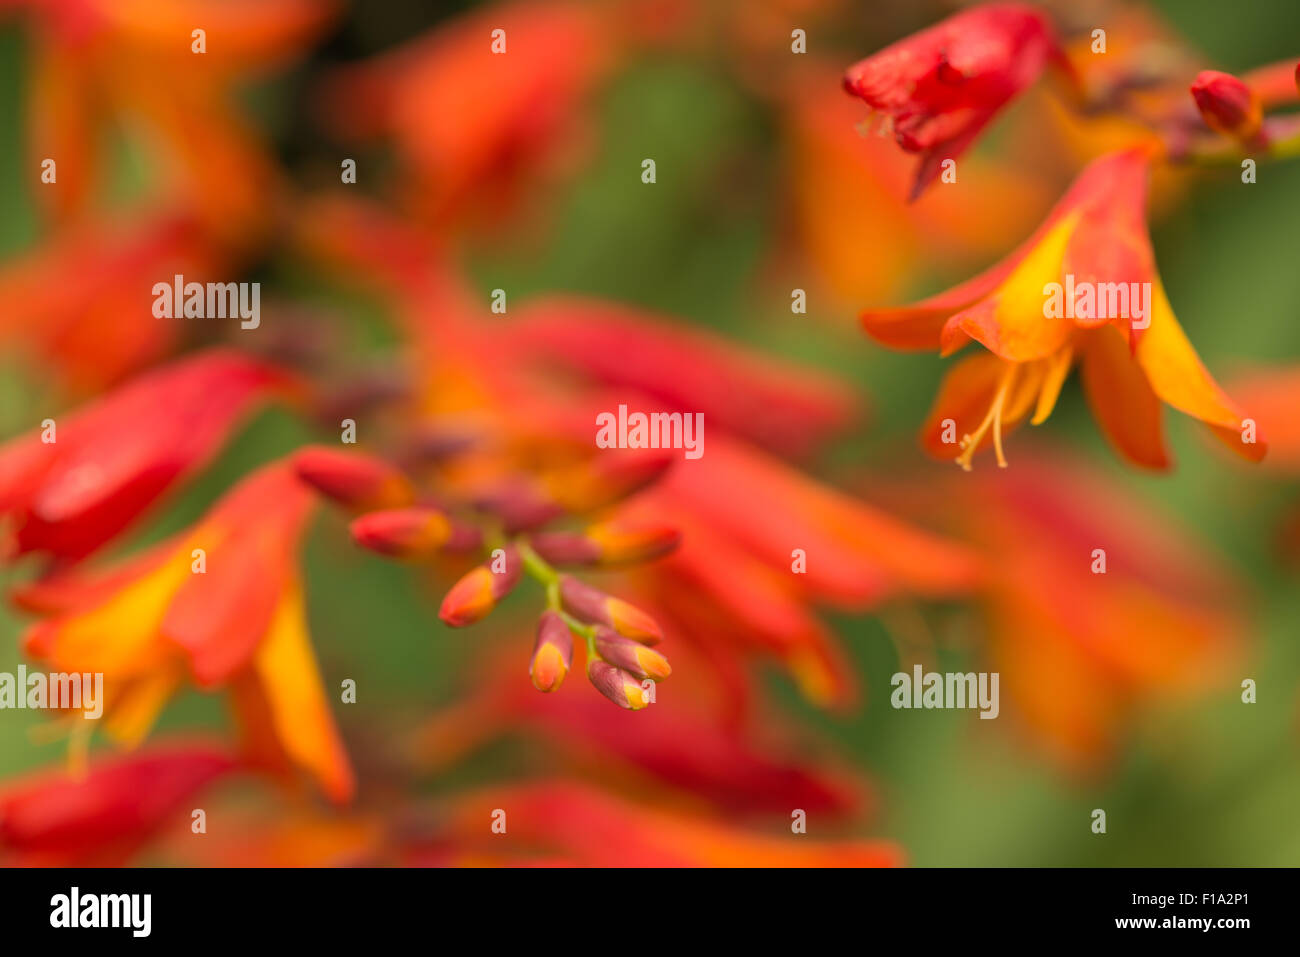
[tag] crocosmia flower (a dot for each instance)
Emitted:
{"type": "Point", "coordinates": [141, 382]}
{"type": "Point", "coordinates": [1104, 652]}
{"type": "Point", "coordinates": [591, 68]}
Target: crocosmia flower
{"type": "Point", "coordinates": [221, 606]}
{"type": "Point", "coordinates": [939, 88]}
{"type": "Point", "coordinates": [1083, 288]}
{"type": "Point", "coordinates": [78, 481]}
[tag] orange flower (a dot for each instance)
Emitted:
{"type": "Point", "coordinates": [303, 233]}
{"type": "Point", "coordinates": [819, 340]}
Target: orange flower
{"type": "Point", "coordinates": [221, 604]}
{"type": "Point", "coordinates": [748, 577]}
{"type": "Point", "coordinates": [940, 87]}
{"type": "Point", "coordinates": [73, 485]}
{"type": "Point", "coordinates": [1083, 287]}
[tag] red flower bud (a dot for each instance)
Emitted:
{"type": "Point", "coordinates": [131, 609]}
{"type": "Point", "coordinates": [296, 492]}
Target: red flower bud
{"type": "Point", "coordinates": [1227, 104]}
{"type": "Point", "coordinates": [353, 479]}
{"type": "Point", "coordinates": [473, 597]}
{"type": "Point", "coordinates": [565, 548]}
{"type": "Point", "coordinates": [402, 532]}
{"type": "Point", "coordinates": [607, 544]}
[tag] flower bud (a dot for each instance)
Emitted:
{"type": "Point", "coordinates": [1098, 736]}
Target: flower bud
{"type": "Point", "coordinates": [604, 480]}
{"type": "Point", "coordinates": [617, 685]}
{"type": "Point", "coordinates": [565, 548]}
{"type": "Point", "coordinates": [607, 544]}
{"type": "Point", "coordinates": [520, 505]}
{"type": "Point", "coordinates": [552, 653]}
{"type": "Point", "coordinates": [1227, 104]}
{"type": "Point", "coordinates": [592, 604]}
{"type": "Point", "coordinates": [353, 479]}
{"type": "Point", "coordinates": [402, 532]}
{"type": "Point", "coordinates": [473, 597]}
{"type": "Point", "coordinates": [631, 656]}
{"type": "Point", "coordinates": [621, 544]}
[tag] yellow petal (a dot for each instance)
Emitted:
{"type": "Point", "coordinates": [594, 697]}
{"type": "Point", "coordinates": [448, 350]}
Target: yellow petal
{"type": "Point", "coordinates": [1012, 323]}
{"type": "Point", "coordinates": [1058, 368]}
{"type": "Point", "coordinates": [1175, 371]}
{"type": "Point", "coordinates": [133, 712]}
{"type": "Point", "coordinates": [120, 637]}
{"type": "Point", "coordinates": [300, 712]}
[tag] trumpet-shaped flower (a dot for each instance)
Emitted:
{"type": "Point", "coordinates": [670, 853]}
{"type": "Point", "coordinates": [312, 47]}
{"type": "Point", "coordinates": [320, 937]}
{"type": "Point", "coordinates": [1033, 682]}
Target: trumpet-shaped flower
{"type": "Point", "coordinates": [78, 481]}
{"type": "Point", "coordinates": [220, 605]}
{"type": "Point", "coordinates": [1083, 288]}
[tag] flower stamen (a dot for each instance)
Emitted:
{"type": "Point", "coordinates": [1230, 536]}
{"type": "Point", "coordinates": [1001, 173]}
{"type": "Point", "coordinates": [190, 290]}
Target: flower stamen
{"type": "Point", "coordinates": [992, 419]}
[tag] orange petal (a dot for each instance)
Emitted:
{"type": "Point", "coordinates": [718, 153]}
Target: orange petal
{"type": "Point", "coordinates": [1273, 396]}
{"type": "Point", "coordinates": [920, 326]}
{"type": "Point", "coordinates": [1177, 376]}
{"type": "Point", "coordinates": [298, 708]}
{"type": "Point", "coordinates": [1121, 399]}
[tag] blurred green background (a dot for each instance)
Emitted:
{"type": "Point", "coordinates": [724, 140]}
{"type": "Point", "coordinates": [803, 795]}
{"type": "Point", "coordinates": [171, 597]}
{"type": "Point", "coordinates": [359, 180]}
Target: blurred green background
{"type": "Point", "coordinates": [1215, 784]}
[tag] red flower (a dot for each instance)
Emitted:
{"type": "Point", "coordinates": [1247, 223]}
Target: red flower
{"type": "Point", "coordinates": [53, 819]}
{"type": "Point", "coordinates": [70, 487]}
{"type": "Point", "coordinates": [940, 87]}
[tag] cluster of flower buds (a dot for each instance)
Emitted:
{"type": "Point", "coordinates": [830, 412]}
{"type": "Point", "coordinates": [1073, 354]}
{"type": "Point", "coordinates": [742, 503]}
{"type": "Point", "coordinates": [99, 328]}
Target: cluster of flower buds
{"type": "Point", "coordinates": [502, 519]}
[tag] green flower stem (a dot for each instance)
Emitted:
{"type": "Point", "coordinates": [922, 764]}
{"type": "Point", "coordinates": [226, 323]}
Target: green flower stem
{"type": "Point", "coordinates": [542, 570]}
{"type": "Point", "coordinates": [538, 568]}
